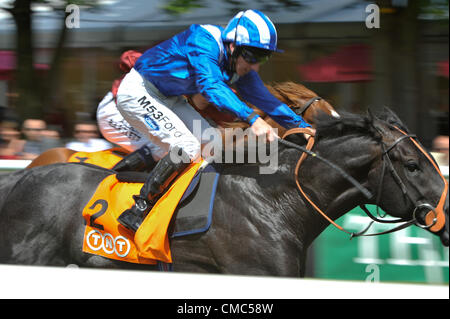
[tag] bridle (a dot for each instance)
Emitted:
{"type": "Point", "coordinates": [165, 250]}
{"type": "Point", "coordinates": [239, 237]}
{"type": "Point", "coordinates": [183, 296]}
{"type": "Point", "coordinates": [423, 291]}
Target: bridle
{"type": "Point", "coordinates": [434, 219]}
{"type": "Point", "coordinates": [301, 110]}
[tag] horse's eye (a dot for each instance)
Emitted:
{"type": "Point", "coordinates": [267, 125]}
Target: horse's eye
{"type": "Point", "coordinates": [412, 167]}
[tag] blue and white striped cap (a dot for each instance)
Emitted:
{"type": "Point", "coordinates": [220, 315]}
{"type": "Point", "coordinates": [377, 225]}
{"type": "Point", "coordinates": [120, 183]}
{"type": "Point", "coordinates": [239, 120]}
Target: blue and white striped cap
{"type": "Point", "coordinates": [254, 29]}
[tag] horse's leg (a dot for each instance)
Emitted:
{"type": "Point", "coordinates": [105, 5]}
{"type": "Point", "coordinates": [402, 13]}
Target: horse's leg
{"type": "Point", "coordinates": [54, 155]}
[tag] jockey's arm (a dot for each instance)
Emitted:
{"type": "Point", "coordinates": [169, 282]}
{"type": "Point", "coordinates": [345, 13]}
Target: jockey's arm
{"type": "Point", "coordinates": [253, 90]}
{"type": "Point", "coordinates": [211, 82]}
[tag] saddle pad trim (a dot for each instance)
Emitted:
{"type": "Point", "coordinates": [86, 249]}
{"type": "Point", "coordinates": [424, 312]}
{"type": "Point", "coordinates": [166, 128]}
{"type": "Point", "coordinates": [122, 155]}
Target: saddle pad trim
{"type": "Point", "coordinates": [210, 212]}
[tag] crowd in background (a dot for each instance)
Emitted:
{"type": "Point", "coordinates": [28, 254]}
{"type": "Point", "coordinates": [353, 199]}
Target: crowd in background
{"type": "Point", "coordinates": [439, 149]}
{"type": "Point", "coordinates": [34, 136]}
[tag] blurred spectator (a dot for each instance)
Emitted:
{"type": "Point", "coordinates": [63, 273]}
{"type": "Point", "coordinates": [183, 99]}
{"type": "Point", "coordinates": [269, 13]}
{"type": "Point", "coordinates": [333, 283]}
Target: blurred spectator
{"type": "Point", "coordinates": [52, 137]}
{"type": "Point", "coordinates": [88, 138]}
{"type": "Point", "coordinates": [440, 149]}
{"type": "Point", "coordinates": [10, 143]}
{"type": "Point", "coordinates": [34, 144]}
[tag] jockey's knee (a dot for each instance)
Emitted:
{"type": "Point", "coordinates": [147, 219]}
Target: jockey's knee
{"type": "Point", "coordinates": [187, 152]}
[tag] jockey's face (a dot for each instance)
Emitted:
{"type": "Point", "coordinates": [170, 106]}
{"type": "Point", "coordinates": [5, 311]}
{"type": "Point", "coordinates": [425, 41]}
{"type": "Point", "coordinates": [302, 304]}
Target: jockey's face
{"type": "Point", "coordinates": [242, 67]}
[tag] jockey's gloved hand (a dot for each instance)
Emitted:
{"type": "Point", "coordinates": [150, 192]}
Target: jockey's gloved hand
{"type": "Point", "coordinates": [313, 133]}
{"type": "Point", "coordinates": [261, 128]}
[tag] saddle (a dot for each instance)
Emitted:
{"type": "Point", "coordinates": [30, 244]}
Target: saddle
{"type": "Point", "coordinates": [184, 209]}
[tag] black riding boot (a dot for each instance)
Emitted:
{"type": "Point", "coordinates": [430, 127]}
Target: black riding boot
{"type": "Point", "coordinates": [163, 173]}
{"type": "Point", "coordinates": [138, 160]}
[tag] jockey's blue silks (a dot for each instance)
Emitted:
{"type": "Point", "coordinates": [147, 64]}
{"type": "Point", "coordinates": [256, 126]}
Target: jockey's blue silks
{"type": "Point", "coordinates": [196, 61]}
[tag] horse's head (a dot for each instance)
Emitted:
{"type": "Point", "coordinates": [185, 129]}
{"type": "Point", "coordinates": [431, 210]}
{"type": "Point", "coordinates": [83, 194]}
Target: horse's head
{"type": "Point", "coordinates": [406, 179]}
{"type": "Point", "coordinates": [302, 100]}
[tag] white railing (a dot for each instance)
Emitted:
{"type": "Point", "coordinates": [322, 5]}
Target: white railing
{"type": "Point", "coordinates": [444, 170]}
{"type": "Point", "coordinates": [13, 165]}
{"type": "Point", "coordinates": [51, 282]}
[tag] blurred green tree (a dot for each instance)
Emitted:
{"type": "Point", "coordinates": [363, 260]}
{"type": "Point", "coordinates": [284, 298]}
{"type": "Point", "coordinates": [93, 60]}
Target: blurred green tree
{"type": "Point", "coordinates": [35, 95]}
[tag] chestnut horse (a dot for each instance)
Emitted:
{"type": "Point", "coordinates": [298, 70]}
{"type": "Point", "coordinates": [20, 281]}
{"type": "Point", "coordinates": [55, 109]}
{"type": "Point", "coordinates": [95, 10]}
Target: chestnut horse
{"type": "Point", "coordinates": [302, 100]}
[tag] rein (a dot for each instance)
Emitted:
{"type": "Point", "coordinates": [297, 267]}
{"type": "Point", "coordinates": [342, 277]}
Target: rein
{"type": "Point", "coordinates": [434, 219]}
{"type": "Point", "coordinates": [307, 151]}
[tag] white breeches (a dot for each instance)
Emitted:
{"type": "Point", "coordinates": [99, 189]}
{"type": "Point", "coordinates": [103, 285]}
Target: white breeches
{"type": "Point", "coordinates": [144, 116]}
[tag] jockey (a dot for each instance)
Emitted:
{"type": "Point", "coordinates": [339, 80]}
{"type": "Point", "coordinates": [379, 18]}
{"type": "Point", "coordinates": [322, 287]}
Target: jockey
{"type": "Point", "coordinates": [201, 62]}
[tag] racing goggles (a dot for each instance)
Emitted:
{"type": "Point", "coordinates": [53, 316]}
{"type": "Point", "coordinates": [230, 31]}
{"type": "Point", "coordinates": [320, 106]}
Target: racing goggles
{"type": "Point", "coordinates": [254, 55]}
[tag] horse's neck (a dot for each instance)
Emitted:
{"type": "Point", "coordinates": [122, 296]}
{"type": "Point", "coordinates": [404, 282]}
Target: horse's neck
{"type": "Point", "coordinates": [329, 190]}
{"type": "Point", "coordinates": [267, 201]}
{"type": "Point", "coordinates": [272, 202]}
{"type": "Point", "coordinates": [7, 182]}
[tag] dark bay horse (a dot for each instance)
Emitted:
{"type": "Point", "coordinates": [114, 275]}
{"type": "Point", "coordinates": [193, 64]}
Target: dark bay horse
{"type": "Point", "coordinates": [302, 100]}
{"type": "Point", "coordinates": [262, 225]}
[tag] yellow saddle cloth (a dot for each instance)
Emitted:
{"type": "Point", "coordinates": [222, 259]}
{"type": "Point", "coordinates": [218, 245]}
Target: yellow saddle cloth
{"type": "Point", "coordinates": [107, 158]}
{"type": "Point", "coordinates": [104, 236]}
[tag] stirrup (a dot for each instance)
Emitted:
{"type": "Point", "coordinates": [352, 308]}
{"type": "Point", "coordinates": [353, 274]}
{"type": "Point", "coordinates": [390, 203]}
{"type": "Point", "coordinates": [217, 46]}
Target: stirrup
{"type": "Point", "coordinates": [133, 217]}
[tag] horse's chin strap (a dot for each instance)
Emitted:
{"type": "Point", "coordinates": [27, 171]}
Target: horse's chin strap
{"type": "Point", "coordinates": [387, 221]}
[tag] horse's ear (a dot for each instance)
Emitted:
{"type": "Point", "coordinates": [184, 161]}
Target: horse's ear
{"type": "Point", "coordinates": [390, 117]}
{"type": "Point", "coordinates": [370, 115]}
{"type": "Point", "coordinates": [371, 118]}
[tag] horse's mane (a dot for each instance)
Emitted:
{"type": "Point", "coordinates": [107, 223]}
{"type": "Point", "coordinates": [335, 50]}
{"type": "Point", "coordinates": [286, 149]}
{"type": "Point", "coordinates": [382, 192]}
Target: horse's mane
{"type": "Point", "coordinates": [351, 123]}
{"type": "Point", "coordinates": [289, 93]}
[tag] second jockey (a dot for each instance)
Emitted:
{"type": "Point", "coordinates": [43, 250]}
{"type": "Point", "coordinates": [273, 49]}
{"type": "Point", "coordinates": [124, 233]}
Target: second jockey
{"type": "Point", "coordinates": [200, 62]}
